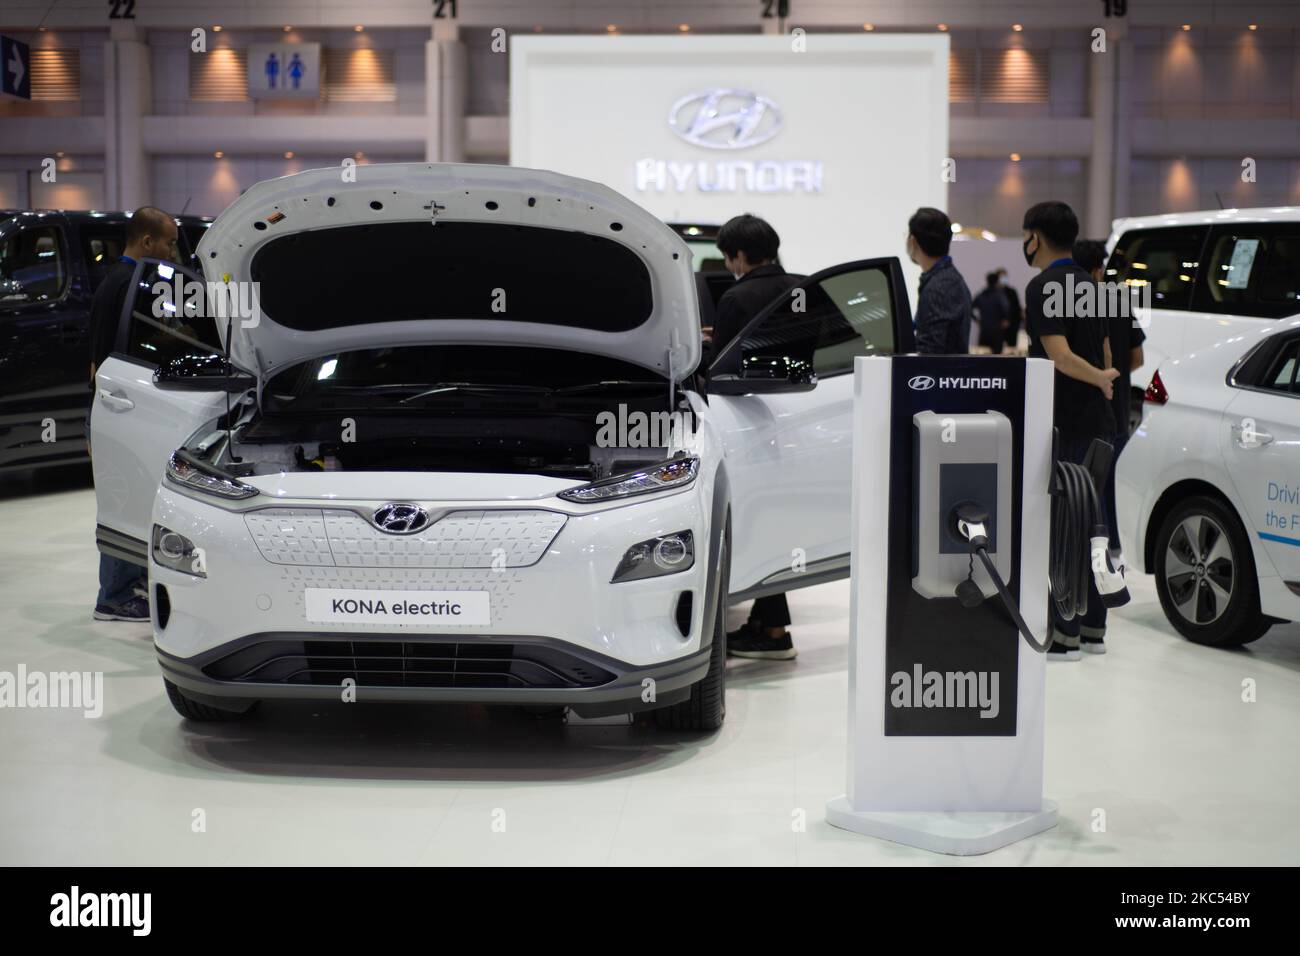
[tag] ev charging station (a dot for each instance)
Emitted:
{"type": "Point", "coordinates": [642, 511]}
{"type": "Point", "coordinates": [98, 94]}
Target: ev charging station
{"type": "Point", "coordinates": [953, 466]}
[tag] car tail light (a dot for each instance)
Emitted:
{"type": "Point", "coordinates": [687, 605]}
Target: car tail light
{"type": "Point", "coordinates": [1156, 393]}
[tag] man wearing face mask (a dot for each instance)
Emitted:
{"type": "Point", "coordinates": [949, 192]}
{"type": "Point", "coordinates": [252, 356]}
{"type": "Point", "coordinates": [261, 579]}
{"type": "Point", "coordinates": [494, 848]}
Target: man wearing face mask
{"type": "Point", "coordinates": [150, 233]}
{"type": "Point", "coordinates": [943, 304]}
{"type": "Point", "coordinates": [749, 246]}
{"type": "Point", "coordinates": [1077, 345]}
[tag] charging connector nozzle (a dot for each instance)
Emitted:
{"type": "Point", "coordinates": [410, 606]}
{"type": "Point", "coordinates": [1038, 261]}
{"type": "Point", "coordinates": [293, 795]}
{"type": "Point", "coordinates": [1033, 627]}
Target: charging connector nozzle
{"type": "Point", "coordinates": [972, 524]}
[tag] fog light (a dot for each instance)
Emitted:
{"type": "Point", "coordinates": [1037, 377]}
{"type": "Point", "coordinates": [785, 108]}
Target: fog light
{"type": "Point", "coordinates": [177, 552]}
{"type": "Point", "coordinates": [666, 554]}
{"type": "Point", "coordinates": [670, 552]}
{"type": "Point", "coordinates": [173, 545]}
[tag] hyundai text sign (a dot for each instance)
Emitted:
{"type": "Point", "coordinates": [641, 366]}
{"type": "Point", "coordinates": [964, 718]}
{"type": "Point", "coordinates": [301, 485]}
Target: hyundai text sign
{"type": "Point", "coordinates": [15, 68]}
{"type": "Point", "coordinates": [284, 71]}
{"type": "Point", "coordinates": [703, 128]}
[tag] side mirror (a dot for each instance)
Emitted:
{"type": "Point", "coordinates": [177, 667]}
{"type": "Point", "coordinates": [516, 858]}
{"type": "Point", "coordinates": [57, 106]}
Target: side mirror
{"type": "Point", "coordinates": [764, 375]}
{"type": "Point", "coordinates": [202, 373]}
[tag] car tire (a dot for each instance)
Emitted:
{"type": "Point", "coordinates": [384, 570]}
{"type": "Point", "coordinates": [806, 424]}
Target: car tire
{"type": "Point", "coordinates": [706, 708]}
{"type": "Point", "coordinates": [1205, 575]}
{"type": "Point", "coordinates": [191, 709]}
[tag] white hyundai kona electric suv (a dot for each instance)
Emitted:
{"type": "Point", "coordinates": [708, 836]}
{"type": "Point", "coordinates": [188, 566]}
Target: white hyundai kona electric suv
{"type": "Point", "coordinates": [1208, 487]}
{"type": "Point", "coordinates": [445, 433]}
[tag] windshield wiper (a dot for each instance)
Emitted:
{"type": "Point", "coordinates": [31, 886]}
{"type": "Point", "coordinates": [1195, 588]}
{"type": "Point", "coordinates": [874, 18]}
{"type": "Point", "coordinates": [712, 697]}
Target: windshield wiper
{"type": "Point", "coordinates": [444, 387]}
{"type": "Point", "coordinates": [608, 383]}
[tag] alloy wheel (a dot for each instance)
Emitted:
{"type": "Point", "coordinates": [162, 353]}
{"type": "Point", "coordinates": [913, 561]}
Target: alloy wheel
{"type": "Point", "coordinates": [1199, 569]}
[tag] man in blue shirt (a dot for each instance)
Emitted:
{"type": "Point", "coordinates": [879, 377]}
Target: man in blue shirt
{"type": "Point", "coordinates": [943, 305]}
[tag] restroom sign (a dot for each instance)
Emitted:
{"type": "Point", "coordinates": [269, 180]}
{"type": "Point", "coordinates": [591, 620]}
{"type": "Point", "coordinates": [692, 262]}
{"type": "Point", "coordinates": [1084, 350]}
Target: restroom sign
{"type": "Point", "coordinates": [279, 71]}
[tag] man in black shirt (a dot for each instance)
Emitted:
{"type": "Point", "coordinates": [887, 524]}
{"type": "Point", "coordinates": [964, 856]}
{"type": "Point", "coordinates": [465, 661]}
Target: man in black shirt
{"type": "Point", "coordinates": [1011, 331]}
{"type": "Point", "coordinates": [749, 248]}
{"type": "Point", "coordinates": [1077, 345]}
{"type": "Point", "coordinates": [943, 306]}
{"type": "Point", "coordinates": [150, 233]}
{"type": "Point", "coordinates": [991, 312]}
{"type": "Point", "coordinates": [1126, 338]}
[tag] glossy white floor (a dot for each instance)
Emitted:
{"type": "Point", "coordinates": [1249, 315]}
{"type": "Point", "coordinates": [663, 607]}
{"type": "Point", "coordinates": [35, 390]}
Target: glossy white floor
{"type": "Point", "coordinates": [1155, 734]}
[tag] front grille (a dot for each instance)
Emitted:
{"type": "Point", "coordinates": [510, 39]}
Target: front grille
{"type": "Point", "coordinates": [326, 663]}
{"type": "Point", "coordinates": [326, 537]}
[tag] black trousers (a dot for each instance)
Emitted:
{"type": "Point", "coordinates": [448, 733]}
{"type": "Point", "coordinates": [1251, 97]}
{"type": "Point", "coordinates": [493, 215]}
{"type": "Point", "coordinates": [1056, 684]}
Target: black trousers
{"type": "Point", "coordinates": [770, 611]}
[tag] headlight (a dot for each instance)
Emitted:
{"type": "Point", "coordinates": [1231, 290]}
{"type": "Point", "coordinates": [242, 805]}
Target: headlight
{"type": "Point", "coordinates": [666, 554]}
{"type": "Point", "coordinates": [184, 469]}
{"type": "Point", "coordinates": [668, 474]}
{"type": "Point", "coordinates": [173, 550]}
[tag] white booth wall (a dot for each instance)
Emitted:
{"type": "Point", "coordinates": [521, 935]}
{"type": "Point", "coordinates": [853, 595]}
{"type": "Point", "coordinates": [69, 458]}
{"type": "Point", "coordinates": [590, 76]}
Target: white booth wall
{"type": "Point", "coordinates": [869, 112]}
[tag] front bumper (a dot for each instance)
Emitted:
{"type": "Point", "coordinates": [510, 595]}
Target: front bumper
{"type": "Point", "coordinates": [497, 670]}
{"type": "Point", "coordinates": [554, 612]}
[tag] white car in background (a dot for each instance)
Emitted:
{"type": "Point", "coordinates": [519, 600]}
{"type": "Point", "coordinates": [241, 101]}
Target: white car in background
{"type": "Point", "coordinates": [1211, 274]}
{"type": "Point", "coordinates": [399, 480]}
{"type": "Point", "coordinates": [1208, 487]}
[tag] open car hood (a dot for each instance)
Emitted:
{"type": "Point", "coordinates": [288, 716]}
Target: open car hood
{"type": "Point", "coordinates": [420, 253]}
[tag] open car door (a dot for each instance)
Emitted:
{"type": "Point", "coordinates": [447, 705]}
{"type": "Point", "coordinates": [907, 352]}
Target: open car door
{"type": "Point", "coordinates": [782, 391]}
{"type": "Point", "coordinates": [142, 411]}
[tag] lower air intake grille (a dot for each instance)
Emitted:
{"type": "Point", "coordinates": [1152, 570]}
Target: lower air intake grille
{"type": "Point", "coordinates": [406, 664]}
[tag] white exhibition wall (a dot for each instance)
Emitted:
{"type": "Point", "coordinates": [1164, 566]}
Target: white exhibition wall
{"type": "Point", "coordinates": [849, 136]}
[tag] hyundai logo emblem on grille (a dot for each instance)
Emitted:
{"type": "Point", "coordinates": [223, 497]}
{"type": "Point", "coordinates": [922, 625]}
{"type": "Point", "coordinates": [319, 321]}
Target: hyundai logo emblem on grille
{"type": "Point", "coordinates": [401, 517]}
{"type": "Point", "coordinates": [725, 119]}
{"type": "Point", "coordinates": [919, 383]}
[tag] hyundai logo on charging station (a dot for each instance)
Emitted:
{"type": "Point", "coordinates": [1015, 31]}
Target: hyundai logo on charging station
{"type": "Point", "coordinates": [923, 383]}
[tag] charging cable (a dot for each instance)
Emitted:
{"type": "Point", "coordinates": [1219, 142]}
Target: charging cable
{"type": "Point", "coordinates": [1079, 547]}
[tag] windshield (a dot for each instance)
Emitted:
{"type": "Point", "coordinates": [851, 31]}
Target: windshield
{"type": "Point", "coordinates": [422, 376]}
{"type": "Point", "coordinates": [399, 271]}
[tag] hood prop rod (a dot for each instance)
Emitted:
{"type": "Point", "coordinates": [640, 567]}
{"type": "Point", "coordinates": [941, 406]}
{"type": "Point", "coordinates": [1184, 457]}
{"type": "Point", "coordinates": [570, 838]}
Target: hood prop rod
{"type": "Point", "coordinates": [230, 437]}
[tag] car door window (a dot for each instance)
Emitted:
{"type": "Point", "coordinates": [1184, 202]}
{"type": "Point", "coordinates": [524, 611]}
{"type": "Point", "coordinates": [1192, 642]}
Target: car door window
{"type": "Point", "coordinates": [169, 316]}
{"type": "Point", "coordinates": [1281, 375]}
{"type": "Point", "coordinates": [102, 246]}
{"type": "Point", "coordinates": [33, 266]}
{"type": "Point", "coordinates": [1252, 270]}
{"type": "Point", "coordinates": [1164, 259]}
{"type": "Point", "coordinates": [827, 321]}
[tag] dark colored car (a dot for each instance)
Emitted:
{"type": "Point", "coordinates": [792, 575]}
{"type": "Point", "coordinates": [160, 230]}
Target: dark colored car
{"type": "Point", "coordinates": [51, 261]}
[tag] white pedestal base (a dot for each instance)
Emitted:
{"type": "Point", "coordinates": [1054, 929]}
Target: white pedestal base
{"type": "Point", "coordinates": [958, 834]}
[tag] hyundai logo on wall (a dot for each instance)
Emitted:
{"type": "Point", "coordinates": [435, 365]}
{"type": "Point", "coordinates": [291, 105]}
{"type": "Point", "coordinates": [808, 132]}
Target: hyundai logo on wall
{"type": "Point", "coordinates": [919, 383]}
{"type": "Point", "coordinates": [725, 119]}
{"type": "Point", "coordinates": [398, 517]}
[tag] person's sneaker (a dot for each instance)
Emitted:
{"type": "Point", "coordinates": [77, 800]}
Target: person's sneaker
{"type": "Point", "coordinates": [132, 609]}
{"type": "Point", "coordinates": [1092, 645]}
{"type": "Point", "coordinates": [750, 641]}
{"type": "Point", "coordinates": [1059, 652]}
